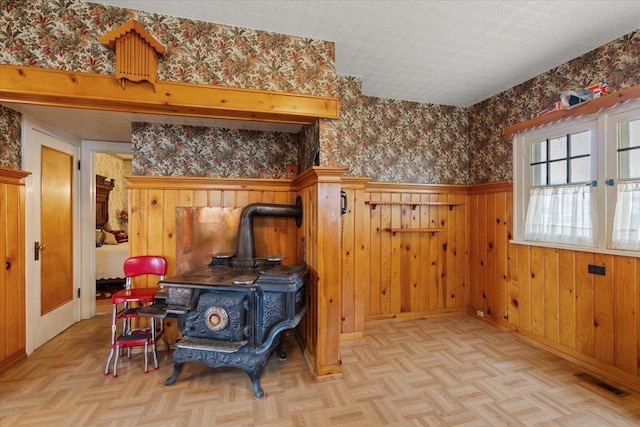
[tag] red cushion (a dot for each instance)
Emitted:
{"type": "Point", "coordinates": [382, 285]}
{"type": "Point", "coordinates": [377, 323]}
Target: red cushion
{"type": "Point", "coordinates": [121, 236]}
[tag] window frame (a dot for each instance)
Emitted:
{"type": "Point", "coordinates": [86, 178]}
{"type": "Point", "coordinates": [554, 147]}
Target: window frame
{"type": "Point", "coordinates": [611, 162]}
{"type": "Point", "coordinates": [603, 166]}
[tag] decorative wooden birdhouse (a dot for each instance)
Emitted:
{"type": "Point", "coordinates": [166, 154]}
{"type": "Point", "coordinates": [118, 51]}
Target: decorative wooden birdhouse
{"type": "Point", "coordinates": [136, 53]}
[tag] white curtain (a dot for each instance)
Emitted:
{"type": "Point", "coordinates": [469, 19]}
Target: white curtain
{"type": "Point", "coordinates": [560, 214]}
{"type": "Point", "coordinates": [626, 221]}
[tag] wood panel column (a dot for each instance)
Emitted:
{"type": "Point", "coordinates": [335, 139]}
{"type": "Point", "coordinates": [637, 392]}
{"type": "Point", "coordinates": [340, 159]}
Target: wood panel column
{"type": "Point", "coordinates": [12, 279]}
{"type": "Point", "coordinates": [356, 258]}
{"type": "Point", "coordinates": [320, 330]}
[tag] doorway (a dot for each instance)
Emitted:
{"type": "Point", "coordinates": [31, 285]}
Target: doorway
{"type": "Point", "coordinates": [88, 221]}
{"type": "Point", "coordinates": [51, 211]}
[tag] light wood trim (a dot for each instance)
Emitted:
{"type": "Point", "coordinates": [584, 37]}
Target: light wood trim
{"type": "Point", "coordinates": [319, 174]}
{"type": "Point", "coordinates": [13, 176]}
{"type": "Point", "coordinates": [205, 183]}
{"type": "Point", "coordinates": [493, 187]}
{"type": "Point", "coordinates": [413, 205]}
{"type": "Point", "coordinates": [358, 183]}
{"type": "Point", "coordinates": [430, 314]}
{"type": "Point", "coordinates": [415, 230]}
{"type": "Point", "coordinates": [353, 336]}
{"type": "Point", "coordinates": [393, 187]}
{"type": "Point", "coordinates": [590, 107]}
{"type": "Point", "coordinates": [31, 85]}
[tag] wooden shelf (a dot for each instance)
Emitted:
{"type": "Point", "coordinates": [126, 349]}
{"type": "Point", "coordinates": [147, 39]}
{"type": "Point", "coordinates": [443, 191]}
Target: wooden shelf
{"type": "Point", "coordinates": [413, 205]}
{"type": "Point", "coordinates": [590, 107]}
{"type": "Point", "coordinates": [415, 230]}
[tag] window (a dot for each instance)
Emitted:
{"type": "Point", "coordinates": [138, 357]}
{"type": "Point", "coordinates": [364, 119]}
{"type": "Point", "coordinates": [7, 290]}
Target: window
{"type": "Point", "coordinates": [561, 160]}
{"type": "Point", "coordinates": [626, 221]}
{"type": "Point", "coordinates": [577, 183]}
{"type": "Point", "coordinates": [559, 206]}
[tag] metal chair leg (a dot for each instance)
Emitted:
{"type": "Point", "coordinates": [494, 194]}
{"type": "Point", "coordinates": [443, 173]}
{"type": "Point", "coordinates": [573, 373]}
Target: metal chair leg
{"type": "Point", "coordinates": [115, 362]}
{"type": "Point", "coordinates": [106, 368]}
{"type": "Point", "coordinates": [152, 321]}
{"type": "Point", "coordinates": [146, 348]}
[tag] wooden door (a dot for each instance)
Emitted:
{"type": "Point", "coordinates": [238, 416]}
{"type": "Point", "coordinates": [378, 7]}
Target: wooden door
{"type": "Point", "coordinates": [56, 229]}
{"type": "Point", "coordinates": [52, 277]}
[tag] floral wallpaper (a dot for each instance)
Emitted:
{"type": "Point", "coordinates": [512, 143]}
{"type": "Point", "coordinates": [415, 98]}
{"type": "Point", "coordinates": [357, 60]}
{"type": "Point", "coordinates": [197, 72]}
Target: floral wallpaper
{"type": "Point", "coordinates": [396, 141]}
{"type": "Point", "coordinates": [175, 150]}
{"type": "Point", "coordinates": [308, 147]}
{"type": "Point", "coordinates": [617, 63]}
{"type": "Point", "coordinates": [10, 138]}
{"type": "Point", "coordinates": [63, 34]}
{"type": "Point", "coordinates": [384, 139]}
{"type": "Point", "coordinates": [114, 168]}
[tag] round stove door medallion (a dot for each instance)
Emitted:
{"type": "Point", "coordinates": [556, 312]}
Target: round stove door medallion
{"type": "Point", "coordinates": [216, 318]}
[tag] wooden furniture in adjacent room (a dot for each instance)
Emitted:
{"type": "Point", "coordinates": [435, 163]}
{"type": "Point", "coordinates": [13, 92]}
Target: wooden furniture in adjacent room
{"type": "Point", "coordinates": [103, 188]}
{"type": "Point", "coordinates": [109, 256]}
{"type": "Point", "coordinates": [12, 286]}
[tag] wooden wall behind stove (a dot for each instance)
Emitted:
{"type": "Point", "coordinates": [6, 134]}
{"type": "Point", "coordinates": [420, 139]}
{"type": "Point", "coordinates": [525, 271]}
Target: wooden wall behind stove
{"type": "Point", "coordinates": [153, 202]}
{"type": "Point", "coordinates": [405, 252]}
{"type": "Point", "coordinates": [152, 214]}
{"type": "Point", "coordinates": [152, 229]}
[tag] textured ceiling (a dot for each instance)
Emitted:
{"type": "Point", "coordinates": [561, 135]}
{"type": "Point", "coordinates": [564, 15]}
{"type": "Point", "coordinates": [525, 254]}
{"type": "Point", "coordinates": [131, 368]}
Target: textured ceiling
{"type": "Point", "coordinates": [441, 52]}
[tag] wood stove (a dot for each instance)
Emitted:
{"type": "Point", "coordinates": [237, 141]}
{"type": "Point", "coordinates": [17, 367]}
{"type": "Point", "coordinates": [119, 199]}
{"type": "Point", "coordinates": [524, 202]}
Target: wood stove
{"type": "Point", "coordinates": [232, 312]}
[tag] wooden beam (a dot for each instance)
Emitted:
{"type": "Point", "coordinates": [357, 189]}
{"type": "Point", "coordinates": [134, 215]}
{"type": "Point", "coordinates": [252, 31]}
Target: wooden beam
{"type": "Point", "coordinates": [37, 86]}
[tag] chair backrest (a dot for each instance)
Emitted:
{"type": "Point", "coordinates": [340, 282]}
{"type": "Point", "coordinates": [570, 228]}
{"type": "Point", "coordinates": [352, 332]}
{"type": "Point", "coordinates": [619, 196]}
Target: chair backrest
{"type": "Point", "coordinates": [144, 264]}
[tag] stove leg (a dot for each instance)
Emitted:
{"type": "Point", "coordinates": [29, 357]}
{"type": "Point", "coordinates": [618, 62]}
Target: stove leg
{"type": "Point", "coordinates": [281, 353]}
{"type": "Point", "coordinates": [177, 367]}
{"type": "Point", "coordinates": [255, 382]}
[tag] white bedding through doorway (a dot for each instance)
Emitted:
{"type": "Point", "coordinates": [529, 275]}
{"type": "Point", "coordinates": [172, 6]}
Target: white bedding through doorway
{"type": "Point", "coordinates": [110, 259]}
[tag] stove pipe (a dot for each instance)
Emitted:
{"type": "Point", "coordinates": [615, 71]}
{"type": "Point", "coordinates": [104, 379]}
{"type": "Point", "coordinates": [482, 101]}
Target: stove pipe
{"type": "Point", "coordinates": [245, 248]}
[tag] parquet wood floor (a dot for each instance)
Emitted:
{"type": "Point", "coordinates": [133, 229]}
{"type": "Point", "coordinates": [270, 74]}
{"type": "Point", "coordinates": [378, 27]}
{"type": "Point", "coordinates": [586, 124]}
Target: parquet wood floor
{"type": "Point", "coordinates": [437, 372]}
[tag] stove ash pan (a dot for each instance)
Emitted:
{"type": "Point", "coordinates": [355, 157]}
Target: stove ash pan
{"type": "Point", "coordinates": [234, 316]}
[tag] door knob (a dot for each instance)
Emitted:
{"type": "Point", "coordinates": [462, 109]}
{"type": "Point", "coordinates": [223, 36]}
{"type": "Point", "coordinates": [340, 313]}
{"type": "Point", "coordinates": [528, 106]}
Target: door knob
{"type": "Point", "coordinates": [7, 265]}
{"type": "Point", "coordinates": [37, 248]}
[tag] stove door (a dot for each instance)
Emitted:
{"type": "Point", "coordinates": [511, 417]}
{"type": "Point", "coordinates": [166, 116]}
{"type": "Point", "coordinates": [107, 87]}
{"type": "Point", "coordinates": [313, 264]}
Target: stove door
{"type": "Point", "coordinates": [222, 315]}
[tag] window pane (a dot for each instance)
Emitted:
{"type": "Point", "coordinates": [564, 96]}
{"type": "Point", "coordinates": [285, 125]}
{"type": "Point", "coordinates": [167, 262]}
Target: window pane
{"type": "Point", "coordinates": [629, 134]}
{"type": "Point", "coordinates": [629, 163]}
{"type": "Point", "coordinates": [558, 173]}
{"type": "Point", "coordinates": [626, 221]}
{"type": "Point", "coordinates": [580, 170]}
{"type": "Point", "coordinates": [580, 144]}
{"type": "Point", "coordinates": [560, 214]}
{"type": "Point", "coordinates": [538, 151]}
{"type": "Point", "coordinates": [539, 175]}
{"type": "Point", "coordinates": [558, 148]}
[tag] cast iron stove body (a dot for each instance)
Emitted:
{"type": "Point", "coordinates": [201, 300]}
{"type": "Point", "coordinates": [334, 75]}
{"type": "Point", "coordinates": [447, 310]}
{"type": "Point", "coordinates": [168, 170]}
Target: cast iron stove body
{"type": "Point", "coordinates": [232, 312]}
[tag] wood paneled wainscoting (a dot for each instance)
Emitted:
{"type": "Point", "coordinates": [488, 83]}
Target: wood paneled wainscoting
{"type": "Point", "coordinates": [405, 252]}
{"type": "Point", "coordinates": [152, 229]}
{"type": "Point", "coordinates": [548, 296]}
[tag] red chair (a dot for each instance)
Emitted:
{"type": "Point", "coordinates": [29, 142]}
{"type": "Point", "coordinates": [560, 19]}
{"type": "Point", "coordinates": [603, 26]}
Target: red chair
{"type": "Point", "coordinates": [134, 303]}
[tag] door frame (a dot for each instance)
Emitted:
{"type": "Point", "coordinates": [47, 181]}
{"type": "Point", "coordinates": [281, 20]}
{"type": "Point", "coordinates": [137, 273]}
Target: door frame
{"type": "Point", "coordinates": [32, 217]}
{"type": "Point", "coordinates": [88, 218]}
